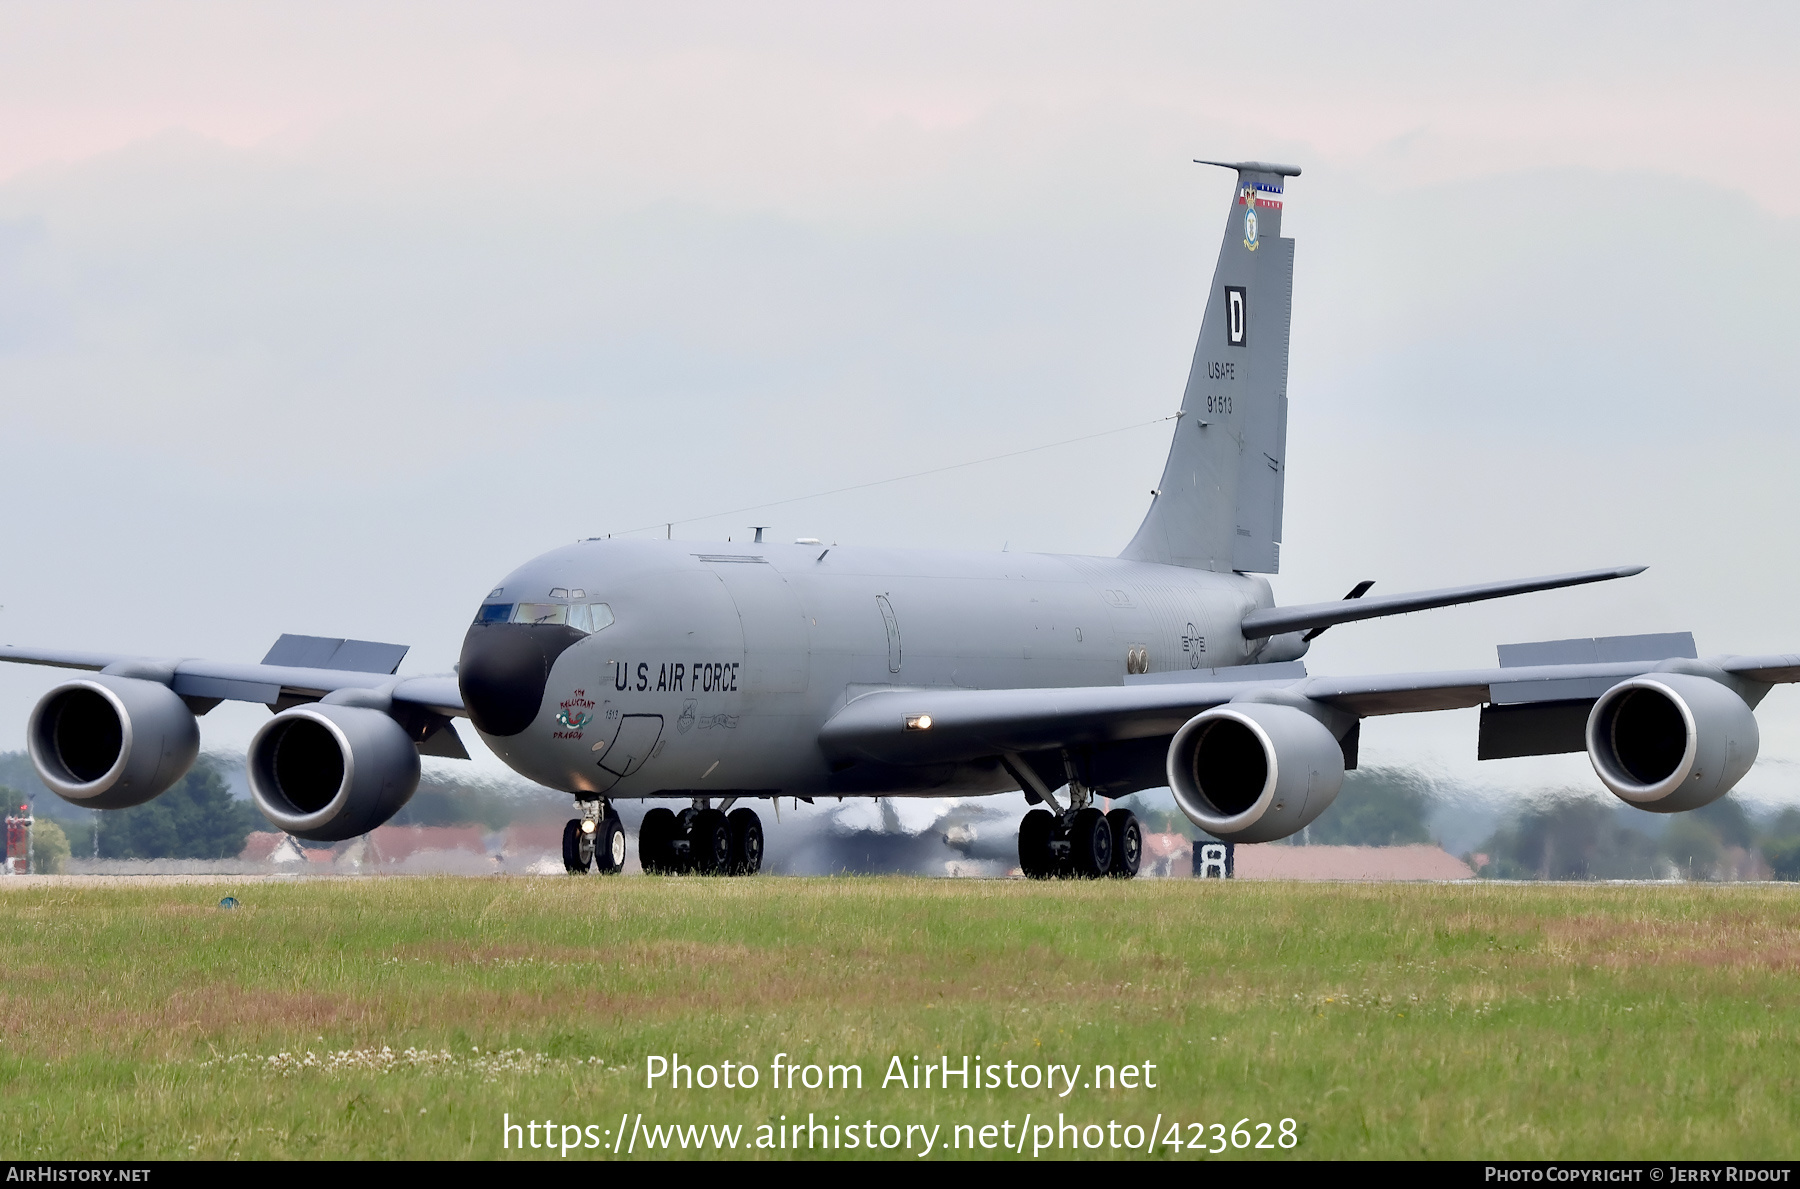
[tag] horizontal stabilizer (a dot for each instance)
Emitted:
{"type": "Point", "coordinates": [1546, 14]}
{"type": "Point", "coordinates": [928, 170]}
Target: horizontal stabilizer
{"type": "Point", "coordinates": [1305, 616]}
{"type": "Point", "coordinates": [1286, 171]}
{"type": "Point", "coordinates": [326, 652]}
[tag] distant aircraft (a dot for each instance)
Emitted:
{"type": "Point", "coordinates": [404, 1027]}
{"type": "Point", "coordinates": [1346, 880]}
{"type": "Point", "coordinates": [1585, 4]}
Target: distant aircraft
{"type": "Point", "coordinates": [718, 675]}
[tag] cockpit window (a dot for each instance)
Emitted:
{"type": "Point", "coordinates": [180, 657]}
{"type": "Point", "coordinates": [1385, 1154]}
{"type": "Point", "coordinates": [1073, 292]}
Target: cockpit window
{"type": "Point", "coordinates": [584, 617]}
{"type": "Point", "coordinates": [540, 613]}
{"type": "Point", "coordinates": [590, 617]}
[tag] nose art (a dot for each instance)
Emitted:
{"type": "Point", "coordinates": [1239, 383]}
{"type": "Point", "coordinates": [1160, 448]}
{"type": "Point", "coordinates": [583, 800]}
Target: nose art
{"type": "Point", "coordinates": [504, 669]}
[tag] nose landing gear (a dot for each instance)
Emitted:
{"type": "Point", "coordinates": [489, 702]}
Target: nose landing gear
{"type": "Point", "coordinates": [701, 840]}
{"type": "Point", "coordinates": [595, 840]}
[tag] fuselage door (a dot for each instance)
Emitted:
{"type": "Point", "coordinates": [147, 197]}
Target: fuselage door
{"type": "Point", "coordinates": [633, 744]}
{"type": "Point", "coordinates": [777, 650]}
{"type": "Point", "coordinates": [893, 632]}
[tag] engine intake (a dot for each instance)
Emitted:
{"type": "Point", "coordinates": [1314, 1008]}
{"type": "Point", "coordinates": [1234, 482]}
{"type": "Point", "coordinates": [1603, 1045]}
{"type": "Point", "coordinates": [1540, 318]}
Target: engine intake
{"type": "Point", "coordinates": [1253, 771]}
{"type": "Point", "coordinates": [327, 772]}
{"type": "Point", "coordinates": [105, 742]}
{"type": "Point", "coordinates": [1669, 742]}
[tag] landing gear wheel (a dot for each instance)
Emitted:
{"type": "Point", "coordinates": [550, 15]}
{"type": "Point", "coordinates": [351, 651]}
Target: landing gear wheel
{"type": "Point", "coordinates": [1035, 859]}
{"type": "Point", "coordinates": [656, 842]}
{"type": "Point", "coordinates": [709, 843]}
{"type": "Point", "coordinates": [1127, 843]}
{"type": "Point", "coordinates": [609, 844]}
{"type": "Point", "coordinates": [578, 848]}
{"type": "Point", "coordinates": [1090, 844]}
{"type": "Point", "coordinates": [746, 842]}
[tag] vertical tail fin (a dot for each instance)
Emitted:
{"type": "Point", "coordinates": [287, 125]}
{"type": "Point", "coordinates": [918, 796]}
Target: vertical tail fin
{"type": "Point", "coordinates": [1219, 504]}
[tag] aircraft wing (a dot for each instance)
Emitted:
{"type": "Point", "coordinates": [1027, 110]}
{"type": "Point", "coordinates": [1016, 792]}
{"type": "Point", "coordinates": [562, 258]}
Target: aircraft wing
{"type": "Point", "coordinates": [214, 681]}
{"type": "Point", "coordinates": [968, 723]}
{"type": "Point", "coordinates": [886, 725]}
{"type": "Point", "coordinates": [1775, 670]}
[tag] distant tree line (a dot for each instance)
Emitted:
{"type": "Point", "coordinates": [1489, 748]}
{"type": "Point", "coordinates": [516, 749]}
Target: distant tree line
{"type": "Point", "coordinates": [199, 818]}
{"type": "Point", "coordinates": [196, 819]}
{"type": "Point", "coordinates": [1581, 837]}
{"type": "Point", "coordinates": [1376, 807]}
{"type": "Point", "coordinates": [1567, 834]}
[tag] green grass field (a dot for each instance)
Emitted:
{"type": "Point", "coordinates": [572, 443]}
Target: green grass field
{"type": "Point", "coordinates": [1385, 1020]}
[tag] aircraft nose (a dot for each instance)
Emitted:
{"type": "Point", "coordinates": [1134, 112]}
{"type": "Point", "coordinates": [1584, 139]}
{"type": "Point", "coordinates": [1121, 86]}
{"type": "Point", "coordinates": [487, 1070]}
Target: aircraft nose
{"type": "Point", "coordinates": [504, 669]}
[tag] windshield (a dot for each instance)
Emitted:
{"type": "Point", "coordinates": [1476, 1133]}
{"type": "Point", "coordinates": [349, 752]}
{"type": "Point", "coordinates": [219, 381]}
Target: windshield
{"type": "Point", "coordinates": [584, 617]}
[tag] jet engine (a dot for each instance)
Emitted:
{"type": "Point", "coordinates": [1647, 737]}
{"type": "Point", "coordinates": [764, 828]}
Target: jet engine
{"type": "Point", "coordinates": [329, 772]}
{"type": "Point", "coordinates": [108, 742]}
{"type": "Point", "coordinates": [1254, 771]}
{"type": "Point", "coordinates": [1668, 742]}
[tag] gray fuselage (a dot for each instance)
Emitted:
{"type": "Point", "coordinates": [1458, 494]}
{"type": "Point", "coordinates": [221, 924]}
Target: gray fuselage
{"type": "Point", "coordinates": [722, 661]}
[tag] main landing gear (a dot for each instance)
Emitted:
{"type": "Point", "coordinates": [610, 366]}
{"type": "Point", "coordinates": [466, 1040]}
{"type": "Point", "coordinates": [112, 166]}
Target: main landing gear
{"type": "Point", "coordinates": [701, 840]}
{"type": "Point", "coordinates": [1080, 841]}
{"type": "Point", "coordinates": [595, 840]}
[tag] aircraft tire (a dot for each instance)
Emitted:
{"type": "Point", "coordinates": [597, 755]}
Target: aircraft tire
{"type": "Point", "coordinates": [609, 845]}
{"type": "Point", "coordinates": [1035, 859]}
{"type": "Point", "coordinates": [656, 842]}
{"type": "Point", "coordinates": [709, 843]}
{"type": "Point", "coordinates": [1127, 843]}
{"type": "Point", "coordinates": [574, 862]}
{"type": "Point", "coordinates": [746, 841]}
{"type": "Point", "coordinates": [1090, 845]}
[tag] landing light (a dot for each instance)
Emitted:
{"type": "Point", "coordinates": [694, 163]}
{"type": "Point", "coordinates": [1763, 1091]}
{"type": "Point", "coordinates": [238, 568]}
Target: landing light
{"type": "Point", "coordinates": [918, 722]}
{"type": "Point", "coordinates": [588, 827]}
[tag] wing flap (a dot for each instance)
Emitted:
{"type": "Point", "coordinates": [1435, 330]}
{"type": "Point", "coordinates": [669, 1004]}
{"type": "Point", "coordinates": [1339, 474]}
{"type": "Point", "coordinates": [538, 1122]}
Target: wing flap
{"type": "Point", "coordinates": [332, 652]}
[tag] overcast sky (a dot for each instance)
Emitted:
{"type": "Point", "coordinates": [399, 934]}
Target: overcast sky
{"type": "Point", "coordinates": [320, 318]}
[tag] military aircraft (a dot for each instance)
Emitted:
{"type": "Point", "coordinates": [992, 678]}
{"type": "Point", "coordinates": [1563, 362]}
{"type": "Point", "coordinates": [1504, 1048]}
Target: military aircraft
{"type": "Point", "coordinates": [719, 675]}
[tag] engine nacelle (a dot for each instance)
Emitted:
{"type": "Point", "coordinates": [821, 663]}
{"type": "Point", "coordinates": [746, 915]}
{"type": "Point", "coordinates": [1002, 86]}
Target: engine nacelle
{"type": "Point", "coordinates": [107, 742]}
{"type": "Point", "coordinates": [328, 773]}
{"type": "Point", "coordinates": [1254, 771]}
{"type": "Point", "coordinates": [1669, 742]}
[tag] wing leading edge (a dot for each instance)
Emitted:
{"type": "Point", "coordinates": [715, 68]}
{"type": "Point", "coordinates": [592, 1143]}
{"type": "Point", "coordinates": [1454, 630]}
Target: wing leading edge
{"type": "Point", "coordinates": [210, 682]}
{"type": "Point", "coordinates": [969, 724]}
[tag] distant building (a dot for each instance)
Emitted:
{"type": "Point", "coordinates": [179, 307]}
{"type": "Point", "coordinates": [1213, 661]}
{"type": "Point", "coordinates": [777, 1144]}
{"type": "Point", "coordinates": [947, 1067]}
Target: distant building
{"type": "Point", "coordinates": [1374, 863]}
{"type": "Point", "coordinates": [1166, 855]}
{"type": "Point", "coordinates": [461, 850]}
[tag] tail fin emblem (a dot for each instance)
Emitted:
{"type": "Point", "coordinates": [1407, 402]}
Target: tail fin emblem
{"type": "Point", "coordinates": [1249, 200]}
